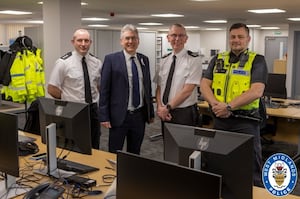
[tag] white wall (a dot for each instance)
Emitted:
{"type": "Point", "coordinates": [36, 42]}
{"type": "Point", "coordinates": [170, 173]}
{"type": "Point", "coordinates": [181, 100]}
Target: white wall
{"type": "Point", "coordinates": [212, 40]}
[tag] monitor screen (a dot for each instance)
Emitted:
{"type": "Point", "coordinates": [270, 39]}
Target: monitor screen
{"type": "Point", "coordinates": [9, 163]}
{"type": "Point", "coordinates": [276, 86]}
{"type": "Point", "coordinates": [72, 119]}
{"type": "Point", "coordinates": [140, 177]}
{"type": "Point", "coordinates": [225, 153]}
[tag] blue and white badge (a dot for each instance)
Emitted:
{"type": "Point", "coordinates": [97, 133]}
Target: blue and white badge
{"type": "Point", "coordinates": [279, 174]}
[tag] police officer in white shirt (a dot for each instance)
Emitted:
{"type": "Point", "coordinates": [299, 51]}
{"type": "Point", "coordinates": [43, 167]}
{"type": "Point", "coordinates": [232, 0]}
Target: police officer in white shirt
{"type": "Point", "coordinates": [179, 105]}
{"type": "Point", "coordinates": [67, 79]}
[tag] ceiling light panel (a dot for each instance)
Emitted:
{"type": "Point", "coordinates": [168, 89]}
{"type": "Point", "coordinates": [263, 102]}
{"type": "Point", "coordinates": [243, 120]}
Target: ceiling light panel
{"type": "Point", "coordinates": [94, 19]}
{"type": "Point", "coordinates": [151, 24]}
{"type": "Point", "coordinates": [267, 11]}
{"type": "Point", "coordinates": [14, 12]}
{"type": "Point", "coordinates": [294, 19]}
{"type": "Point", "coordinates": [215, 21]}
{"type": "Point", "coordinates": [167, 15]}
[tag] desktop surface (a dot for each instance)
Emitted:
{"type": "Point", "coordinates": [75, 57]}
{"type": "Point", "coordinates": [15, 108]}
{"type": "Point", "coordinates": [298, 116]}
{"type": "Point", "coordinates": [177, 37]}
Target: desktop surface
{"type": "Point", "coordinates": [99, 159]}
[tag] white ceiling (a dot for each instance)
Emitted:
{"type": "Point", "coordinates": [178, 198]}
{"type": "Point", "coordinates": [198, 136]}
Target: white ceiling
{"type": "Point", "coordinates": [135, 11]}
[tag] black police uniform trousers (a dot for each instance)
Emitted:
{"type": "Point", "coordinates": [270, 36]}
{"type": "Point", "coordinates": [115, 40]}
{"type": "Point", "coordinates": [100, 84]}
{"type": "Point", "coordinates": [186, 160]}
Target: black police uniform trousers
{"type": "Point", "coordinates": [186, 116]}
{"type": "Point", "coordinates": [242, 125]}
{"type": "Point", "coordinates": [95, 125]}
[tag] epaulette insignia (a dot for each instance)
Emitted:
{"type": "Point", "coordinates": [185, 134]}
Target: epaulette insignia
{"type": "Point", "coordinates": [66, 56]}
{"type": "Point", "coordinates": [193, 54]}
{"type": "Point", "coordinates": [166, 55]}
{"type": "Point", "coordinates": [93, 55]}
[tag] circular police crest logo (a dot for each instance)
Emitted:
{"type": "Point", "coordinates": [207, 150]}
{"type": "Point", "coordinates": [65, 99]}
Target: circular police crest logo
{"type": "Point", "coordinates": [279, 174]}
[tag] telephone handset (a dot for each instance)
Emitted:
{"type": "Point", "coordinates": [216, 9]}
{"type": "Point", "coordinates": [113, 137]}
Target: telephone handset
{"type": "Point", "coordinates": [45, 190]}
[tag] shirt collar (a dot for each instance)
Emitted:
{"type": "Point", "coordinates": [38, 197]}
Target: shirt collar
{"type": "Point", "coordinates": [180, 54]}
{"type": "Point", "coordinates": [128, 56]}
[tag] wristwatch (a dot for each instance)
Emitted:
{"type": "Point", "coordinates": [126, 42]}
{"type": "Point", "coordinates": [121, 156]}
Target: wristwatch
{"type": "Point", "coordinates": [229, 107]}
{"type": "Point", "coordinates": [169, 107]}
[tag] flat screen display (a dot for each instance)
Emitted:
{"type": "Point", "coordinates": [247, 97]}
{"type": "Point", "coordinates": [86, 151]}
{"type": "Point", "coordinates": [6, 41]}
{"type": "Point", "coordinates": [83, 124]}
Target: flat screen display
{"type": "Point", "coordinates": [225, 153]}
{"type": "Point", "coordinates": [9, 163]}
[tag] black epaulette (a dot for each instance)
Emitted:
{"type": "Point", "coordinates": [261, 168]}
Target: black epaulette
{"type": "Point", "coordinates": [193, 54]}
{"type": "Point", "coordinates": [166, 55]}
{"type": "Point", "coordinates": [93, 55]}
{"type": "Point", "coordinates": [66, 56]}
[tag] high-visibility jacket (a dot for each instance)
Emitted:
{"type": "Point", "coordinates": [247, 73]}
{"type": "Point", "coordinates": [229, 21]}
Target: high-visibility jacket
{"type": "Point", "coordinates": [16, 90]}
{"type": "Point", "coordinates": [232, 79]}
{"type": "Point", "coordinates": [27, 77]}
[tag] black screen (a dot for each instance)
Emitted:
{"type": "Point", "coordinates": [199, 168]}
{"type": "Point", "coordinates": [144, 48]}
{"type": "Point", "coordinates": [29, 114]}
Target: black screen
{"type": "Point", "coordinates": [276, 86]}
{"type": "Point", "coordinates": [72, 119]}
{"type": "Point", "coordinates": [9, 160]}
{"type": "Point", "coordinates": [145, 178]}
{"type": "Point", "coordinates": [227, 154]}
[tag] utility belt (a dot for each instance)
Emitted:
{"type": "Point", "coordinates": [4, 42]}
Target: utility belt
{"type": "Point", "coordinates": [247, 114]}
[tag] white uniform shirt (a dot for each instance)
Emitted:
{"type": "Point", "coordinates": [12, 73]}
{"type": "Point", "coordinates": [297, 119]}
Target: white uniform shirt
{"type": "Point", "coordinates": [68, 76]}
{"type": "Point", "coordinates": [188, 70]}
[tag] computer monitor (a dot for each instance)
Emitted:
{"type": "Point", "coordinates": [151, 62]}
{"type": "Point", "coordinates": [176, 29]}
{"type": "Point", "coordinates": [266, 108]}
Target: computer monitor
{"type": "Point", "coordinates": [9, 163]}
{"type": "Point", "coordinates": [140, 177]}
{"type": "Point", "coordinates": [72, 119]}
{"type": "Point", "coordinates": [276, 86]}
{"type": "Point", "coordinates": [66, 125]}
{"type": "Point", "coordinates": [225, 153]}
{"type": "Point", "coordinates": [9, 159]}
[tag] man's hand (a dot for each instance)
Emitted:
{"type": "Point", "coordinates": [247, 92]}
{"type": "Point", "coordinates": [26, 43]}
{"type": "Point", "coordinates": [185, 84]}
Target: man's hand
{"type": "Point", "coordinates": [163, 113]}
{"type": "Point", "coordinates": [220, 110]}
{"type": "Point", "coordinates": [106, 125]}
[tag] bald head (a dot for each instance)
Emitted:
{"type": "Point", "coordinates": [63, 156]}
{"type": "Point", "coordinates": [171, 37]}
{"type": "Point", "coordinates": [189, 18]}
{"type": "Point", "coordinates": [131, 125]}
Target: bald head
{"type": "Point", "coordinates": [81, 41]}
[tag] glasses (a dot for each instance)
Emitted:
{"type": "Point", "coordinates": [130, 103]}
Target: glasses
{"type": "Point", "coordinates": [180, 36]}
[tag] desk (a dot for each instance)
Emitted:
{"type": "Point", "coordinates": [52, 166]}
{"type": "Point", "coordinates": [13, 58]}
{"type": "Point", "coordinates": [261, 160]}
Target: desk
{"type": "Point", "coordinates": [98, 159]}
{"type": "Point", "coordinates": [7, 106]}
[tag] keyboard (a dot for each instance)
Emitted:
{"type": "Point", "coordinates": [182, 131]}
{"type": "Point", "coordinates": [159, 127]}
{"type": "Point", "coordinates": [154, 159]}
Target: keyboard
{"type": "Point", "coordinates": [76, 167]}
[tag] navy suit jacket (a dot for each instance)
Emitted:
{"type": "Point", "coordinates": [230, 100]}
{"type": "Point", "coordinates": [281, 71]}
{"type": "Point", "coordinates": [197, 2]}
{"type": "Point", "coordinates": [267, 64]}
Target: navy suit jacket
{"type": "Point", "coordinates": [114, 89]}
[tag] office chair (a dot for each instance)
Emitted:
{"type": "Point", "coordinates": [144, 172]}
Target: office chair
{"type": "Point", "coordinates": [265, 128]}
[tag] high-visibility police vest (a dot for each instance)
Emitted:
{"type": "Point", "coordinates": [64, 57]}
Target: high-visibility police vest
{"type": "Point", "coordinates": [232, 79]}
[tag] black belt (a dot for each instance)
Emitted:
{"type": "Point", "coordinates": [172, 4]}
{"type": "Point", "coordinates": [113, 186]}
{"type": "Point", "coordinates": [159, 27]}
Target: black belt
{"type": "Point", "coordinates": [134, 111]}
{"type": "Point", "coordinates": [247, 114]}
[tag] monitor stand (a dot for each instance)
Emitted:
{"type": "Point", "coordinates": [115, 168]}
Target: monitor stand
{"type": "Point", "coordinates": [195, 160]}
{"type": "Point", "coordinates": [51, 161]}
{"type": "Point", "coordinates": [10, 189]}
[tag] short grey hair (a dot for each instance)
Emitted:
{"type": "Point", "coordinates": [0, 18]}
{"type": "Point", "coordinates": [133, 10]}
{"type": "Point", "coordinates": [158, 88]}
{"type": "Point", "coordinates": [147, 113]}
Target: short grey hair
{"type": "Point", "coordinates": [129, 27]}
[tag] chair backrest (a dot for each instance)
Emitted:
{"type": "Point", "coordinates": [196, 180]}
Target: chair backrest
{"type": "Point", "coordinates": [32, 124]}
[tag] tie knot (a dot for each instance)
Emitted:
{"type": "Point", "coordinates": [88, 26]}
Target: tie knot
{"type": "Point", "coordinates": [174, 56]}
{"type": "Point", "coordinates": [132, 58]}
{"type": "Point", "coordinates": [83, 58]}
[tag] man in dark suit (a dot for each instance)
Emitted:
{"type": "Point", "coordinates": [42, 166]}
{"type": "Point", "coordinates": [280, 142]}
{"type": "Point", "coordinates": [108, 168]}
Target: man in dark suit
{"type": "Point", "coordinates": [125, 94]}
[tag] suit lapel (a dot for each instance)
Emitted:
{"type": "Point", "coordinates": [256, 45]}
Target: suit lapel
{"type": "Point", "coordinates": [123, 64]}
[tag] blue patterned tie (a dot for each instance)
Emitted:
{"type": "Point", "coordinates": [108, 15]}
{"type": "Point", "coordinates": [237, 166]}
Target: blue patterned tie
{"type": "Point", "coordinates": [135, 84]}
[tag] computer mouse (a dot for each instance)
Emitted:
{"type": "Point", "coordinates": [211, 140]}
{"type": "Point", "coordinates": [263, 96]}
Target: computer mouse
{"type": "Point", "coordinates": [27, 148]}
